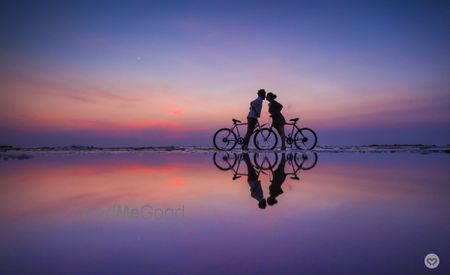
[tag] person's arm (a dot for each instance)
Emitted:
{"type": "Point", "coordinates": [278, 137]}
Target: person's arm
{"type": "Point", "coordinates": [271, 109]}
{"type": "Point", "coordinates": [277, 107]}
{"type": "Point", "coordinates": [256, 107]}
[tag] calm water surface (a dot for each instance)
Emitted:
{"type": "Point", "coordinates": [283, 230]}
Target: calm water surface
{"type": "Point", "coordinates": [178, 213]}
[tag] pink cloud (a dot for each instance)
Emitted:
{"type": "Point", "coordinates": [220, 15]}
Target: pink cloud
{"type": "Point", "coordinates": [177, 111]}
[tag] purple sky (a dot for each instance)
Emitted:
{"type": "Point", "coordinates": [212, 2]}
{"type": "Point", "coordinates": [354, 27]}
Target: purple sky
{"type": "Point", "coordinates": [141, 74]}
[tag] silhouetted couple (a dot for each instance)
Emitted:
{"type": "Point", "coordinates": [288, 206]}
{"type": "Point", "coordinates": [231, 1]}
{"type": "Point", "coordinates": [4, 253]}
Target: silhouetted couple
{"type": "Point", "coordinates": [275, 108]}
{"type": "Point", "coordinates": [256, 191]}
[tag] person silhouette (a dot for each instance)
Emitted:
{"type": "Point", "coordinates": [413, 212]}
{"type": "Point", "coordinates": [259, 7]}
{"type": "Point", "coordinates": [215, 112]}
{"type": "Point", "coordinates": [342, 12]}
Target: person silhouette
{"type": "Point", "coordinates": [253, 115]}
{"type": "Point", "coordinates": [255, 185]}
{"type": "Point", "coordinates": [278, 120]}
{"type": "Point", "coordinates": [278, 178]}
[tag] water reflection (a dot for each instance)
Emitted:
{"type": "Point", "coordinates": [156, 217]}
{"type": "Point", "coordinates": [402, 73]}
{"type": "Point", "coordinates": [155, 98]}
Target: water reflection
{"type": "Point", "coordinates": [277, 165]}
{"type": "Point", "coordinates": [327, 218]}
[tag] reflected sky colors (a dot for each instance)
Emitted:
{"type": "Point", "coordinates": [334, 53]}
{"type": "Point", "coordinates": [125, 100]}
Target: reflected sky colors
{"type": "Point", "coordinates": [364, 213]}
{"type": "Point", "coordinates": [137, 73]}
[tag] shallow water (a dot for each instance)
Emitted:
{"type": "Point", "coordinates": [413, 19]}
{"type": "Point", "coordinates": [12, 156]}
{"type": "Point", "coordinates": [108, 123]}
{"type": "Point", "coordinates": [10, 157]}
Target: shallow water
{"type": "Point", "coordinates": [176, 212]}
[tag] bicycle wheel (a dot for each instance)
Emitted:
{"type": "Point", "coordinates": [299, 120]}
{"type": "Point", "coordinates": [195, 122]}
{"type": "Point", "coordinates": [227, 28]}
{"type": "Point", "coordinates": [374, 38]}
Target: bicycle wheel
{"type": "Point", "coordinates": [306, 160]}
{"type": "Point", "coordinates": [265, 139]}
{"type": "Point", "coordinates": [305, 139]}
{"type": "Point", "coordinates": [224, 139]}
{"type": "Point", "coordinates": [224, 160]}
{"type": "Point", "coordinates": [265, 160]}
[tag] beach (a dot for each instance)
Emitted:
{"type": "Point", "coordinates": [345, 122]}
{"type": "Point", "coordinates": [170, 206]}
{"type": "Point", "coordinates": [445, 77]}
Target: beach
{"type": "Point", "coordinates": [174, 211]}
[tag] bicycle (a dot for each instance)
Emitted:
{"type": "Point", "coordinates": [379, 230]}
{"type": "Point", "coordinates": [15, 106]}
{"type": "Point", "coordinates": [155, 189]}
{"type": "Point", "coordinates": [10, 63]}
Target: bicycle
{"type": "Point", "coordinates": [303, 138]}
{"type": "Point", "coordinates": [226, 138]}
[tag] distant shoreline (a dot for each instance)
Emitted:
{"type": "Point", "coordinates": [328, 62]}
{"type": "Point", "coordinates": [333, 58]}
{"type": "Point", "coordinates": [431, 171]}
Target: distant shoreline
{"type": "Point", "coordinates": [382, 148]}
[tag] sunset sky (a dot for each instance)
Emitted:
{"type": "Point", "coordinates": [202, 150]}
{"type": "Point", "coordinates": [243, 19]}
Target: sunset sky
{"type": "Point", "coordinates": [148, 73]}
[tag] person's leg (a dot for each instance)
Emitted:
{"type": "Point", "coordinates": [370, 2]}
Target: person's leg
{"type": "Point", "coordinates": [280, 129]}
{"type": "Point", "coordinates": [250, 127]}
{"type": "Point", "coordinates": [252, 175]}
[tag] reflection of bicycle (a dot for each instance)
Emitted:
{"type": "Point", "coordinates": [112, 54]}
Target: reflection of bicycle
{"type": "Point", "coordinates": [261, 160]}
{"type": "Point", "coordinates": [225, 160]}
{"type": "Point", "coordinates": [265, 161]}
{"type": "Point", "coordinates": [231, 161]}
{"type": "Point", "coordinates": [227, 138]}
{"type": "Point", "coordinates": [301, 161]}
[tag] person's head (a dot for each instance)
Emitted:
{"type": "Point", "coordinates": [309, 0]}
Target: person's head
{"type": "Point", "coordinates": [262, 204]}
{"type": "Point", "coordinates": [271, 96]}
{"type": "Point", "coordinates": [262, 93]}
{"type": "Point", "coordinates": [271, 201]}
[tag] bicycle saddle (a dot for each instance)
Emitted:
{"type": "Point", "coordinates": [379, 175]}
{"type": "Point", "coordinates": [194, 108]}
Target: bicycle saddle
{"type": "Point", "coordinates": [236, 121]}
{"type": "Point", "coordinates": [294, 119]}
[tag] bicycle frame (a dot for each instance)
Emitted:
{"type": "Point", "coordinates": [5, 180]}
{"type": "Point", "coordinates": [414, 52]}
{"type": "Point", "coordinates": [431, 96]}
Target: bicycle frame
{"type": "Point", "coordinates": [235, 126]}
{"type": "Point", "coordinates": [294, 126]}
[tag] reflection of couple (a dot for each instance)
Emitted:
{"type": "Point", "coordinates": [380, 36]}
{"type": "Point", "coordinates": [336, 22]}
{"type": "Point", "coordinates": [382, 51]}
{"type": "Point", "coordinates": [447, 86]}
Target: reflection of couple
{"type": "Point", "coordinates": [278, 177]}
{"type": "Point", "coordinates": [275, 108]}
